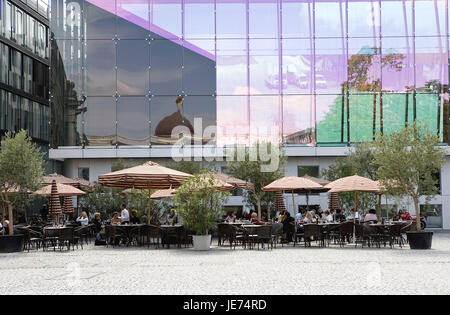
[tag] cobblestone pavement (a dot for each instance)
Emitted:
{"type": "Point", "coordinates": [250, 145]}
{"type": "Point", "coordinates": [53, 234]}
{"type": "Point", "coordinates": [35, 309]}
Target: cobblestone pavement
{"type": "Point", "coordinates": [287, 270]}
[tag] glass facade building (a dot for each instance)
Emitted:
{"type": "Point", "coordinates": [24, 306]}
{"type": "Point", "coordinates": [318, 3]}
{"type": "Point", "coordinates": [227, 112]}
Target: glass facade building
{"type": "Point", "coordinates": [309, 72]}
{"type": "Point", "coordinates": [24, 69]}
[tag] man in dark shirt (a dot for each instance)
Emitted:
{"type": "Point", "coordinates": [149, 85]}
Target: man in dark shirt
{"type": "Point", "coordinates": [288, 220]}
{"type": "Point", "coordinates": [339, 216]}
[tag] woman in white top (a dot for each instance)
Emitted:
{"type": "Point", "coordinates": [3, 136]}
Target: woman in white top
{"type": "Point", "coordinates": [83, 219]}
{"type": "Point", "coordinates": [328, 216]}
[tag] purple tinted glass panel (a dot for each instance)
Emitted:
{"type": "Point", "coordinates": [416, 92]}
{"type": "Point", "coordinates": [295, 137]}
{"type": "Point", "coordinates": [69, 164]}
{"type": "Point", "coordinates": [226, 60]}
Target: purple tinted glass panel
{"type": "Point", "coordinates": [133, 12]}
{"type": "Point", "coordinates": [396, 18]}
{"type": "Point", "coordinates": [225, 10]}
{"type": "Point", "coordinates": [430, 17]}
{"type": "Point", "coordinates": [330, 19]}
{"type": "Point", "coordinates": [398, 64]}
{"type": "Point", "coordinates": [431, 61]}
{"type": "Point", "coordinates": [363, 18]}
{"type": "Point", "coordinates": [264, 67]}
{"type": "Point", "coordinates": [199, 19]}
{"type": "Point", "coordinates": [297, 19]}
{"type": "Point", "coordinates": [167, 15]}
{"type": "Point", "coordinates": [364, 65]}
{"type": "Point", "coordinates": [331, 65]}
{"type": "Point", "coordinates": [232, 120]}
{"type": "Point", "coordinates": [298, 118]}
{"type": "Point", "coordinates": [264, 118]}
{"type": "Point", "coordinates": [263, 19]}
{"type": "Point", "coordinates": [232, 70]}
{"type": "Point", "coordinates": [297, 62]}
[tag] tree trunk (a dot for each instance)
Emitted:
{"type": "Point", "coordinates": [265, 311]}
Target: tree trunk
{"type": "Point", "coordinates": [258, 204]}
{"type": "Point", "coordinates": [11, 219]}
{"type": "Point", "coordinates": [417, 208]}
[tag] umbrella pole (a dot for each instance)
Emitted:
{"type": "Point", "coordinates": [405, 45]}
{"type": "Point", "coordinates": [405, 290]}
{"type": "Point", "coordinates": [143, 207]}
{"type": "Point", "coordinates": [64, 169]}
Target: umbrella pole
{"type": "Point", "coordinates": [149, 206]}
{"type": "Point", "coordinates": [293, 203]}
{"type": "Point", "coordinates": [354, 216]}
{"type": "Point", "coordinates": [307, 201]}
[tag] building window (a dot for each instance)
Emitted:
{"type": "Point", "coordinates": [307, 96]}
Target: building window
{"type": "Point", "coordinates": [433, 215]}
{"type": "Point", "coordinates": [308, 170]}
{"type": "Point", "coordinates": [83, 172]}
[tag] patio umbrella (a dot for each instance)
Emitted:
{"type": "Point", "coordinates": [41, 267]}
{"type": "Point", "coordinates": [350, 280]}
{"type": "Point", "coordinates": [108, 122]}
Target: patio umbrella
{"type": "Point", "coordinates": [84, 184]}
{"type": "Point", "coordinates": [63, 190]}
{"type": "Point", "coordinates": [149, 176]}
{"type": "Point", "coordinates": [334, 201]}
{"type": "Point", "coordinates": [295, 184]}
{"type": "Point", "coordinates": [356, 184]}
{"type": "Point", "coordinates": [68, 205]}
{"type": "Point", "coordinates": [218, 183]}
{"type": "Point", "coordinates": [164, 193]}
{"type": "Point", "coordinates": [279, 201]}
{"type": "Point", "coordinates": [60, 179]}
{"type": "Point", "coordinates": [55, 205]}
{"type": "Point", "coordinates": [235, 182]}
{"type": "Point", "coordinates": [317, 180]}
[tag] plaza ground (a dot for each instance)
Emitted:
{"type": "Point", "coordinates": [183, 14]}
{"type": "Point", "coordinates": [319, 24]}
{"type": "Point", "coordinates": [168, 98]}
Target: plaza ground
{"type": "Point", "coordinates": [288, 270]}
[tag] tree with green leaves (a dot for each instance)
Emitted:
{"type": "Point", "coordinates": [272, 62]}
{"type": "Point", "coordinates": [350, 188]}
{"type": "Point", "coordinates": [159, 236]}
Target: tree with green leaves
{"type": "Point", "coordinates": [199, 203]}
{"type": "Point", "coordinates": [21, 171]}
{"type": "Point", "coordinates": [360, 161]}
{"type": "Point", "coordinates": [408, 161]}
{"type": "Point", "coordinates": [252, 166]}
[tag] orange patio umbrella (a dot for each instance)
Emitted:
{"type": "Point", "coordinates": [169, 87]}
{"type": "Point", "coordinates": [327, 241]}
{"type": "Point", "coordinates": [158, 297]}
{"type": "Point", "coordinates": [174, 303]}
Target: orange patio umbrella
{"type": "Point", "coordinates": [356, 184]}
{"type": "Point", "coordinates": [235, 182]}
{"type": "Point", "coordinates": [295, 184]}
{"type": "Point", "coordinates": [149, 176]}
{"type": "Point", "coordinates": [63, 190]}
{"type": "Point", "coordinates": [55, 206]}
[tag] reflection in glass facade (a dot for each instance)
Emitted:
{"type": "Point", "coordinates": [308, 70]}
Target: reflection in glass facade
{"type": "Point", "coordinates": [312, 72]}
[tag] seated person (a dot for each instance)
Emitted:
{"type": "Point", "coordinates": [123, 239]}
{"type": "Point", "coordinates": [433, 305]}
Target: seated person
{"type": "Point", "coordinates": [339, 216]}
{"type": "Point", "coordinates": [255, 220]}
{"type": "Point", "coordinates": [354, 215]}
{"type": "Point", "coordinates": [2, 230]}
{"type": "Point", "coordinates": [172, 218]}
{"type": "Point", "coordinates": [281, 216]}
{"type": "Point", "coordinates": [97, 225]}
{"type": "Point", "coordinates": [371, 216]}
{"type": "Point", "coordinates": [299, 216]}
{"type": "Point", "coordinates": [83, 219]}
{"type": "Point", "coordinates": [286, 228]}
{"type": "Point", "coordinates": [406, 216]}
{"type": "Point", "coordinates": [403, 215]}
{"type": "Point", "coordinates": [134, 219]}
{"type": "Point", "coordinates": [116, 220]}
{"type": "Point", "coordinates": [231, 217]}
{"type": "Point", "coordinates": [327, 216]}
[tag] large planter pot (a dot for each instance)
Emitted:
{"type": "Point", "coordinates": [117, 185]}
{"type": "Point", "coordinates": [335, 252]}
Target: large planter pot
{"type": "Point", "coordinates": [11, 244]}
{"type": "Point", "coordinates": [201, 242]}
{"type": "Point", "coordinates": [420, 240]}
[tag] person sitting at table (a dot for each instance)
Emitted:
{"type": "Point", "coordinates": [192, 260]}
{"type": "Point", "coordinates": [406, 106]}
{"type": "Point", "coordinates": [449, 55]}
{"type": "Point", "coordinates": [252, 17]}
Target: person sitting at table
{"type": "Point", "coordinates": [83, 219]}
{"type": "Point", "coordinates": [116, 220]}
{"type": "Point", "coordinates": [286, 228]}
{"type": "Point", "coordinates": [282, 216]}
{"type": "Point", "coordinates": [2, 230]}
{"type": "Point", "coordinates": [97, 225]}
{"type": "Point", "coordinates": [124, 215]}
{"type": "Point", "coordinates": [172, 218]}
{"type": "Point", "coordinates": [354, 215]}
{"type": "Point", "coordinates": [371, 216]}
{"type": "Point", "coordinates": [231, 217]}
{"type": "Point", "coordinates": [339, 217]}
{"type": "Point", "coordinates": [299, 216]}
{"type": "Point", "coordinates": [255, 220]}
{"type": "Point", "coordinates": [134, 218]}
{"type": "Point", "coordinates": [327, 216]}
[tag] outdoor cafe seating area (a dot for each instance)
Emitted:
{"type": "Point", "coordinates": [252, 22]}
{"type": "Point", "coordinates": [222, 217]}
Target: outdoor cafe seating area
{"type": "Point", "coordinates": [238, 234]}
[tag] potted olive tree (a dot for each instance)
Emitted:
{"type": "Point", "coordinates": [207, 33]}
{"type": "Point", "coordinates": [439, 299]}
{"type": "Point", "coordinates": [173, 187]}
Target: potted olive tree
{"type": "Point", "coordinates": [408, 161]}
{"type": "Point", "coordinates": [200, 205]}
{"type": "Point", "coordinates": [21, 172]}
